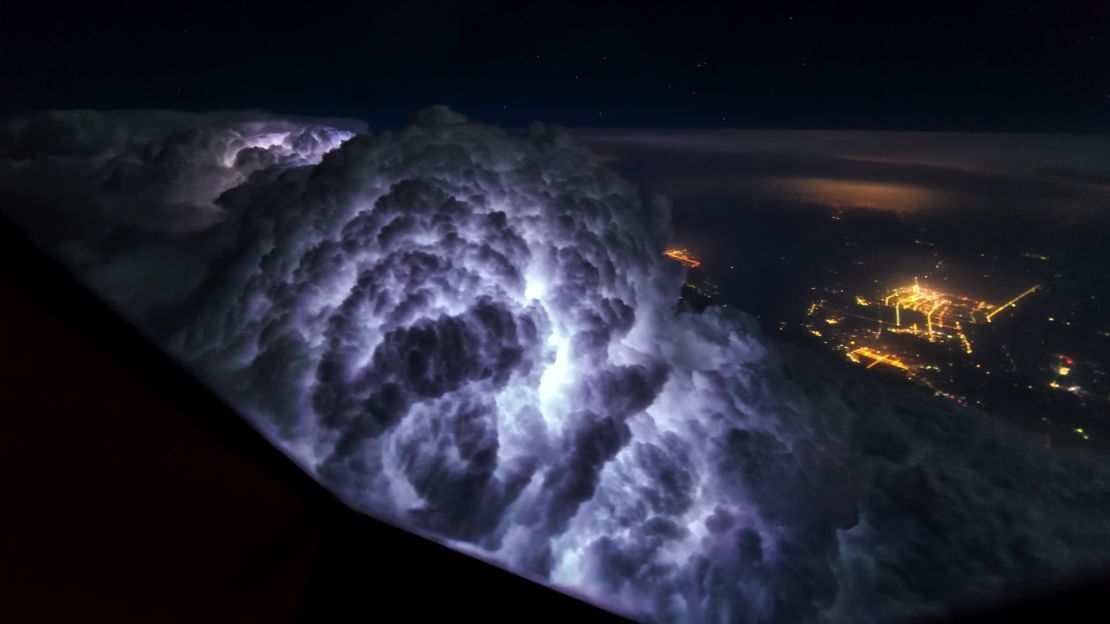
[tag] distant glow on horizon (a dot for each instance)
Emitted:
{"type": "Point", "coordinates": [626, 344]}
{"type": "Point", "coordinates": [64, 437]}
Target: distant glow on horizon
{"type": "Point", "coordinates": [859, 194]}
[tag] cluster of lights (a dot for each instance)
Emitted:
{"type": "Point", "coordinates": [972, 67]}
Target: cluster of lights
{"type": "Point", "coordinates": [683, 256]}
{"type": "Point", "coordinates": [877, 357]}
{"type": "Point", "coordinates": [958, 399]}
{"type": "Point", "coordinates": [1063, 368]}
{"type": "Point", "coordinates": [705, 288]}
{"type": "Point", "coordinates": [937, 305]}
{"type": "Point", "coordinates": [938, 316]}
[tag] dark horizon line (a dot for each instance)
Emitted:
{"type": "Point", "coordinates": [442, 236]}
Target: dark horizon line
{"type": "Point", "coordinates": [392, 115]}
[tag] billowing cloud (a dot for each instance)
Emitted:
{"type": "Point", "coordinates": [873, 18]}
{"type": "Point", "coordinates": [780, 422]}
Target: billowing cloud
{"type": "Point", "coordinates": [475, 335]}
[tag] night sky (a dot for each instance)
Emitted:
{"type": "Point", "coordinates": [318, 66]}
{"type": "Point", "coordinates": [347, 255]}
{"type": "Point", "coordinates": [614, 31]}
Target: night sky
{"type": "Point", "coordinates": [1028, 66]}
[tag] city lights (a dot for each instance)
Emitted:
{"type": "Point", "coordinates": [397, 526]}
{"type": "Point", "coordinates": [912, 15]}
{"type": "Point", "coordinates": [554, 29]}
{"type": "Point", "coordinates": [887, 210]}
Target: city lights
{"type": "Point", "coordinates": [880, 330]}
{"type": "Point", "coordinates": [683, 256]}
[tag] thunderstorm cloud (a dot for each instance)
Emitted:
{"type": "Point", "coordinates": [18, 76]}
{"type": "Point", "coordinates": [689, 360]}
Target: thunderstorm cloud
{"type": "Point", "coordinates": [474, 334]}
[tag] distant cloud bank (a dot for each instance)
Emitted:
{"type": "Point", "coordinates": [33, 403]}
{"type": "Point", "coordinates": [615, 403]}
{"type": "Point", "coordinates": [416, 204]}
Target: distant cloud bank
{"type": "Point", "coordinates": [1056, 177]}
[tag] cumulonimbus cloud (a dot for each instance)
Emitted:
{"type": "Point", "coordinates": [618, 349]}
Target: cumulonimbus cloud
{"type": "Point", "coordinates": [475, 335]}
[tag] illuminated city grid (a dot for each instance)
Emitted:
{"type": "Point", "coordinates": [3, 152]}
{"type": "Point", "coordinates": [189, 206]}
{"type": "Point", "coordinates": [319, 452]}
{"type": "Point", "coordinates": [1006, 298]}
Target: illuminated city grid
{"type": "Point", "coordinates": [944, 314]}
{"type": "Point", "coordinates": [917, 311]}
{"type": "Point", "coordinates": [929, 314]}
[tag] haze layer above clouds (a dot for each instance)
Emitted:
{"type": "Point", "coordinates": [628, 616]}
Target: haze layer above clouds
{"type": "Point", "coordinates": [1053, 177]}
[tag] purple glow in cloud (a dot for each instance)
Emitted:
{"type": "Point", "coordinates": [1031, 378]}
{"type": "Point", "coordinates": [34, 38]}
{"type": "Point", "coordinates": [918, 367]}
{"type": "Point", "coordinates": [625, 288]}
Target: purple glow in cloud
{"type": "Point", "coordinates": [474, 335]}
